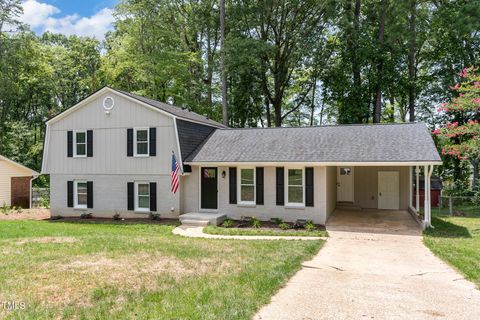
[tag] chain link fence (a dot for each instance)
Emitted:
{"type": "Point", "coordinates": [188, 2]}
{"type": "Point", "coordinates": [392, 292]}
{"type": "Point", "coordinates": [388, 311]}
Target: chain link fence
{"type": "Point", "coordinates": [459, 206]}
{"type": "Point", "coordinates": [40, 198]}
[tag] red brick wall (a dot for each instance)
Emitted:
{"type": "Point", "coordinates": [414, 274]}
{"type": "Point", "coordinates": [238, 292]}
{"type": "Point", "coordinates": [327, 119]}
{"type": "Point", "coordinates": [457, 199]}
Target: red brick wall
{"type": "Point", "coordinates": [21, 192]}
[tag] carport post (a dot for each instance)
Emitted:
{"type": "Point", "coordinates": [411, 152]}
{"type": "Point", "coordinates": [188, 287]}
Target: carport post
{"type": "Point", "coordinates": [426, 193]}
{"type": "Point", "coordinates": [417, 187]}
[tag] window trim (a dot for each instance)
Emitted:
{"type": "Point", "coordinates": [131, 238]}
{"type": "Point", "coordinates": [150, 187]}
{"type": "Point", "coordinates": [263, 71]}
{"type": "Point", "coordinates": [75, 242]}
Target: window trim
{"type": "Point", "coordinates": [75, 194]}
{"type": "Point", "coordinates": [136, 197]}
{"type": "Point", "coordinates": [75, 154]}
{"type": "Point", "coordinates": [135, 142]}
{"type": "Point", "coordinates": [239, 186]}
{"type": "Point", "coordinates": [287, 185]}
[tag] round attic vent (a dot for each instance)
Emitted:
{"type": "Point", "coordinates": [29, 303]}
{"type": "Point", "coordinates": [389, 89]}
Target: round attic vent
{"type": "Point", "coordinates": [108, 103]}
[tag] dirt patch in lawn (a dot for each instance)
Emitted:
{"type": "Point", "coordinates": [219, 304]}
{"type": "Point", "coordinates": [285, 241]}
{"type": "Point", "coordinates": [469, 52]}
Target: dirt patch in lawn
{"type": "Point", "coordinates": [26, 214]}
{"type": "Point", "coordinates": [47, 240]}
{"type": "Point", "coordinates": [72, 282]}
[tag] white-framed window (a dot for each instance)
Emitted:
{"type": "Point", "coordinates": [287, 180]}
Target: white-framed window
{"type": "Point", "coordinates": [295, 190]}
{"type": "Point", "coordinates": [80, 143]}
{"type": "Point", "coordinates": [246, 186]}
{"type": "Point", "coordinates": [142, 196]}
{"type": "Point", "coordinates": [80, 194]}
{"type": "Point", "coordinates": [141, 142]}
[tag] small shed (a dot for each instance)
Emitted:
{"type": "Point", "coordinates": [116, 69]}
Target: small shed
{"type": "Point", "coordinates": [15, 183]}
{"type": "Point", "coordinates": [436, 186]}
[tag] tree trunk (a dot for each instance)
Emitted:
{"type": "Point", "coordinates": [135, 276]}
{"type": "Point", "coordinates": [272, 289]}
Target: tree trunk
{"type": "Point", "coordinates": [475, 163]}
{"type": "Point", "coordinates": [411, 60]}
{"type": "Point", "coordinates": [357, 81]}
{"type": "Point", "coordinates": [377, 111]}
{"type": "Point", "coordinates": [222, 63]}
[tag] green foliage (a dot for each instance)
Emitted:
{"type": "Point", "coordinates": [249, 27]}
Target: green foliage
{"type": "Point", "coordinates": [284, 226]}
{"type": "Point", "coordinates": [5, 209]}
{"type": "Point", "coordinates": [255, 223]}
{"type": "Point", "coordinates": [309, 226]}
{"type": "Point", "coordinates": [227, 223]}
{"type": "Point", "coordinates": [476, 199]}
{"type": "Point", "coordinates": [277, 221]}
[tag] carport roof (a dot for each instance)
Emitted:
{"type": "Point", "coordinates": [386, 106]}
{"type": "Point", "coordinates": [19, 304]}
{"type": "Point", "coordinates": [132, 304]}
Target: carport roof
{"type": "Point", "coordinates": [376, 143]}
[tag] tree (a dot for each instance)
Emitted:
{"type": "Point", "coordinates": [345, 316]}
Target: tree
{"type": "Point", "coordinates": [461, 136]}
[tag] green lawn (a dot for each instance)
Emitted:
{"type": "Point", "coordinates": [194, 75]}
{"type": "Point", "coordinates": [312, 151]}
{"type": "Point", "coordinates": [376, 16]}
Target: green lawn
{"type": "Point", "coordinates": [457, 241]}
{"type": "Point", "coordinates": [138, 271]}
{"type": "Point", "coordinates": [263, 232]}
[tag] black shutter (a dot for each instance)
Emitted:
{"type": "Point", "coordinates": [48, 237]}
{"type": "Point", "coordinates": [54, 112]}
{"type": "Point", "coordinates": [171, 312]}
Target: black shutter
{"type": "Point", "coordinates": [69, 144]}
{"type": "Point", "coordinates": [130, 143]}
{"type": "Point", "coordinates": [89, 194]}
{"type": "Point", "coordinates": [280, 187]}
{"type": "Point", "coordinates": [70, 194]}
{"type": "Point", "coordinates": [89, 143]}
{"type": "Point", "coordinates": [153, 196]}
{"type": "Point", "coordinates": [232, 176]}
{"type": "Point", "coordinates": [309, 187]}
{"type": "Point", "coordinates": [153, 142]}
{"type": "Point", "coordinates": [130, 196]}
{"type": "Point", "coordinates": [259, 185]}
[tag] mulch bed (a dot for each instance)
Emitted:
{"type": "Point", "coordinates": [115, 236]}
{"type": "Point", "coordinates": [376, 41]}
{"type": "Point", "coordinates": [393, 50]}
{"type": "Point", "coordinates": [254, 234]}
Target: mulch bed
{"type": "Point", "coordinates": [267, 225]}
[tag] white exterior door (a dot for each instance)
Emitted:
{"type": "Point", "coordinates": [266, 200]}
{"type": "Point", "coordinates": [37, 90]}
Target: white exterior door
{"type": "Point", "coordinates": [345, 184]}
{"type": "Point", "coordinates": [388, 190]}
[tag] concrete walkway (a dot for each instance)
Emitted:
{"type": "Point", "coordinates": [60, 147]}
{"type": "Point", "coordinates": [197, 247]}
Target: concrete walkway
{"type": "Point", "coordinates": [381, 273]}
{"type": "Point", "coordinates": [197, 232]}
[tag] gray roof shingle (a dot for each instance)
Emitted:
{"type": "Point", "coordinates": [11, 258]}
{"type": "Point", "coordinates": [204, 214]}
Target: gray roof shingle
{"type": "Point", "coordinates": [176, 111]}
{"type": "Point", "coordinates": [409, 142]}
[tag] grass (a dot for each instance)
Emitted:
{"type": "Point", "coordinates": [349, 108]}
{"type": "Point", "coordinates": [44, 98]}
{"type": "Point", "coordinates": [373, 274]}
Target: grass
{"type": "Point", "coordinates": [263, 232]}
{"type": "Point", "coordinates": [457, 241]}
{"type": "Point", "coordinates": [138, 271]}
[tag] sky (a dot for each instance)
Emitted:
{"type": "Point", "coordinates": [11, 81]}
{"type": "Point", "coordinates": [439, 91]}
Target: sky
{"type": "Point", "coordinates": [83, 18]}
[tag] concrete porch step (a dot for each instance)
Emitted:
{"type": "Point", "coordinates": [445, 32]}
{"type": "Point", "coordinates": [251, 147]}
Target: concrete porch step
{"type": "Point", "coordinates": [202, 219]}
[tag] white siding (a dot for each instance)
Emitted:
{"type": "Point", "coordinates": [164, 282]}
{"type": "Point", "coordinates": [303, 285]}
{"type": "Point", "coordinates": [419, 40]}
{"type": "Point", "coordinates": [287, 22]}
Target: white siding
{"type": "Point", "coordinates": [110, 195]}
{"type": "Point", "coordinates": [318, 213]}
{"type": "Point", "coordinates": [7, 171]}
{"type": "Point", "coordinates": [110, 139]}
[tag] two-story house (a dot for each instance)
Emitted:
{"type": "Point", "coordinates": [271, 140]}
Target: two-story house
{"type": "Point", "coordinates": [112, 153]}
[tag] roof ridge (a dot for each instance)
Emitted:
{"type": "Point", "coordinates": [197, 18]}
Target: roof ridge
{"type": "Point", "coordinates": [329, 126]}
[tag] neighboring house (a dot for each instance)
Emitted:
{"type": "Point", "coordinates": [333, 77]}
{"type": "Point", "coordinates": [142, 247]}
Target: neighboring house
{"type": "Point", "coordinates": [111, 153]}
{"type": "Point", "coordinates": [15, 183]}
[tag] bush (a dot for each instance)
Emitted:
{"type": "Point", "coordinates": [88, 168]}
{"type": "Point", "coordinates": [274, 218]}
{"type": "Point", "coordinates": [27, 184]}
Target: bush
{"type": "Point", "coordinates": [227, 223]}
{"type": "Point", "coordinates": [476, 199]}
{"type": "Point", "coordinates": [284, 226]}
{"type": "Point", "coordinates": [116, 216]}
{"type": "Point", "coordinates": [86, 216]}
{"type": "Point", "coordinates": [255, 223]}
{"type": "Point", "coordinates": [44, 202]}
{"type": "Point", "coordinates": [154, 216]}
{"type": "Point", "coordinates": [277, 221]}
{"type": "Point", "coordinates": [5, 209]}
{"type": "Point", "coordinates": [309, 226]}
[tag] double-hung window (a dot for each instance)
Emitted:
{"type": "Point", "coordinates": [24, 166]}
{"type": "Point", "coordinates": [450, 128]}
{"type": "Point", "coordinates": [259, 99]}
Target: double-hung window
{"type": "Point", "coordinates": [80, 194]}
{"type": "Point", "coordinates": [247, 185]}
{"type": "Point", "coordinates": [141, 142]}
{"type": "Point", "coordinates": [142, 196]}
{"type": "Point", "coordinates": [295, 187]}
{"type": "Point", "coordinates": [80, 143]}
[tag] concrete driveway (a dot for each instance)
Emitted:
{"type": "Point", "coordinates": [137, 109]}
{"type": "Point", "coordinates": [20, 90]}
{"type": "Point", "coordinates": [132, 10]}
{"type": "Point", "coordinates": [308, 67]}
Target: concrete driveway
{"type": "Point", "coordinates": [381, 272]}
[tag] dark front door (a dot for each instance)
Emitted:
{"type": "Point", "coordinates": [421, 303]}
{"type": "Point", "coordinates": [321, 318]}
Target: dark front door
{"type": "Point", "coordinates": [208, 178]}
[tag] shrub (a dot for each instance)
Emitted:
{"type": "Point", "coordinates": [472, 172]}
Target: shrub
{"type": "Point", "coordinates": [227, 223]}
{"type": "Point", "coordinates": [44, 202]}
{"type": "Point", "coordinates": [255, 223]}
{"type": "Point", "coordinates": [5, 209]}
{"type": "Point", "coordinates": [154, 216]}
{"type": "Point", "coordinates": [476, 199]}
{"type": "Point", "coordinates": [86, 216]}
{"type": "Point", "coordinates": [116, 216]}
{"type": "Point", "coordinates": [19, 209]}
{"type": "Point", "coordinates": [284, 226]}
{"type": "Point", "coordinates": [56, 217]}
{"type": "Point", "coordinates": [277, 221]}
{"type": "Point", "coordinates": [309, 226]}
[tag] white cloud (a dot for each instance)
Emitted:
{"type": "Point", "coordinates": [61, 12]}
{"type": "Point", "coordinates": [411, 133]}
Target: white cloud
{"type": "Point", "coordinates": [41, 17]}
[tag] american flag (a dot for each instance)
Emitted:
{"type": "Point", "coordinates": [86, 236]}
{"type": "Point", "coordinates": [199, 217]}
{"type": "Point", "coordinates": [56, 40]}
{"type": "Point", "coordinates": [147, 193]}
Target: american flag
{"type": "Point", "coordinates": [174, 174]}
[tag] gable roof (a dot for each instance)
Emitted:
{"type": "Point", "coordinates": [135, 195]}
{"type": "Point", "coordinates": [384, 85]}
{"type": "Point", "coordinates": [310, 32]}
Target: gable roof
{"type": "Point", "coordinates": [181, 113]}
{"type": "Point", "coordinates": [392, 143]}
{"type": "Point", "coordinates": [157, 105]}
{"type": "Point", "coordinates": [20, 166]}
